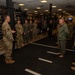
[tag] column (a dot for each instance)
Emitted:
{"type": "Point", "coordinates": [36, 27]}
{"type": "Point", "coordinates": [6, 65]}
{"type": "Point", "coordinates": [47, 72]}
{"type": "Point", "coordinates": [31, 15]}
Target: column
{"type": "Point", "coordinates": [50, 10]}
{"type": "Point", "coordinates": [10, 9]}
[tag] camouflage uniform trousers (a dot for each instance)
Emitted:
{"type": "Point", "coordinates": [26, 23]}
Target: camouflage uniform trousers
{"type": "Point", "coordinates": [62, 46]}
{"type": "Point", "coordinates": [19, 40]}
{"type": "Point", "coordinates": [26, 37]}
{"type": "Point", "coordinates": [8, 48]}
{"type": "Point", "coordinates": [34, 32]}
{"type": "Point", "coordinates": [31, 35]}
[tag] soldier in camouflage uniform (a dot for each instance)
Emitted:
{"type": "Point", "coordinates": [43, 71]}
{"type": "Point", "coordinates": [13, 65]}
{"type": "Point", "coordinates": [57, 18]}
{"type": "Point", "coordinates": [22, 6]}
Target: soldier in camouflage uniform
{"type": "Point", "coordinates": [26, 31]}
{"type": "Point", "coordinates": [31, 30]}
{"type": "Point", "coordinates": [35, 28]}
{"type": "Point", "coordinates": [8, 40]}
{"type": "Point", "coordinates": [62, 36]}
{"type": "Point", "coordinates": [19, 34]}
{"type": "Point", "coordinates": [70, 27]}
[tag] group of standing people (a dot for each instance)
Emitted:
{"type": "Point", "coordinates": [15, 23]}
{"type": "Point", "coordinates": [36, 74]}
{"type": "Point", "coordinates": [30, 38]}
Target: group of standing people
{"type": "Point", "coordinates": [25, 32]}
{"type": "Point", "coordinates": [65, 31]}
{"type": "Point", "coordinates": [28, 30]}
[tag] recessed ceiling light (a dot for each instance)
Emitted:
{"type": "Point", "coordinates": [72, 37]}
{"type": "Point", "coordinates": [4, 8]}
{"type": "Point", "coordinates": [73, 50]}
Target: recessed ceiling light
{"type": "Point", "coordinates": [59, 9]}
{"type": "Point", "coordinates": [46, 10]}
{"type": "Point", "coordinates": [54, 6]}
{"type": "Point", "coordinates": [43, 1]}
{"type": "Point", "coordinates": [64, 11]}
{"type": "Point", "coordinates": [25, 9]}
{"type": "Point", "coordinates": [38, 8]}
{"type": "Point", "coordinates": [35, 11]}
{"type": "Point", "coordinates": [41, 14]}
{"type": "Point", "coordinates": [67, 13]}
{"type": "Point", "coordinates": [21, 4]}
{"type": "Point", "coordinates": [57, 14]}
{"type": "Point", "coordinates": [54, 13]}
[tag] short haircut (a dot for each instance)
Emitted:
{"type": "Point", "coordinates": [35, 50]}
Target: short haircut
{"type": "Point", "coordinates": [61, 18]}
{"type": "Point", "coordinates": [18, 20]}
{"type": "Point", "coordinates": [7, 16]}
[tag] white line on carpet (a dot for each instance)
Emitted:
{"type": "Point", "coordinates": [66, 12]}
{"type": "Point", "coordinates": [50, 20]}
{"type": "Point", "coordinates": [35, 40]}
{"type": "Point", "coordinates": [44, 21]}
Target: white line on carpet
{"type": "Point", "coordinates": [53, 53]}
{"type": "Point", "coordinates": [49, 46]}
{"type": "Point", "coordinates": [45, 60]}
{"type": "Point", "coordinates": [32, 72]}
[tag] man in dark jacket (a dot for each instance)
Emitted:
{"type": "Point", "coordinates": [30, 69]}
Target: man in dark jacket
{"type": "Point", "coordinates": [50, 26]}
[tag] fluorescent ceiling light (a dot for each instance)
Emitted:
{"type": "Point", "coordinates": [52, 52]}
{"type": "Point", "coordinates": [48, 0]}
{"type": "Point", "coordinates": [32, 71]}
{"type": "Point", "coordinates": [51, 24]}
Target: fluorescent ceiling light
{"type": "Point", "coordinates": [25, 9]}
{"type": "Point", "coordinates": [54, 6]}
{"type": "Point", "coordinates": [54, 13]}
{"type": "Point", "coordinates": [64, 11]}
{"type": "Point", "coordinates": [21, 4]}
{"type": "Point", "coordinates": [35, 11]}
{"type": "Point", "coordinates": [44, 1]}
{"type": "Point", "coordinates": [41, 14]}
{"type": "Point", "coordinates": [57, 14]}
{"type": "Point", "coordinates": [59, 9]}
{"type": "Point", "coordinates": [67, 13]}
{"type": "Point", "coordinates": [38, 8]}
{"type": "Point", "coordinates": [47, 10]}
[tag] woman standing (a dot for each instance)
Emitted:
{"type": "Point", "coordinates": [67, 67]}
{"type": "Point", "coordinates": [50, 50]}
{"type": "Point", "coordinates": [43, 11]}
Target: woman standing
{"type": "Point", "coordinates": [19, 34]}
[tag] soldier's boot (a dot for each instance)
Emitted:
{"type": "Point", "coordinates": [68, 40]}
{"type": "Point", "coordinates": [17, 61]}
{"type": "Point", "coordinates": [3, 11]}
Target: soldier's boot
{"type": "Point", "coordinates": [73, 63]}
{"type": "Point", "coordinates": [9, 61]}
{"type": "Point", "coordinates": [73, 68]}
